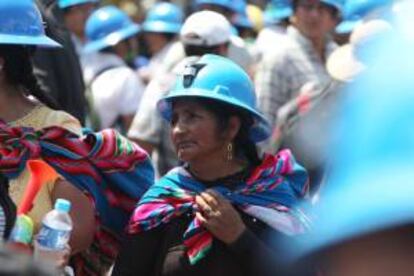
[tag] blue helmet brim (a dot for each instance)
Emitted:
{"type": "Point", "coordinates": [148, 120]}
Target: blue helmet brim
{"type": "Point", "coordinates": [161, 27]}
{"type": "Point", "coordinates": [346, 26]}
{"type": "Point", "coordinates": [112, 39]}
{"type": "Point", "coordinates": [39, 41]}
{"type": "Point", "coordinates": [74, 3]}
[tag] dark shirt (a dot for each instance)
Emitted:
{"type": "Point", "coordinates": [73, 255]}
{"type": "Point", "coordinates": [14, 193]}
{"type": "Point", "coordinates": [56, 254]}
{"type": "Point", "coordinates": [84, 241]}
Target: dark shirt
{"type": "Point", "coordinates": [161, 252]}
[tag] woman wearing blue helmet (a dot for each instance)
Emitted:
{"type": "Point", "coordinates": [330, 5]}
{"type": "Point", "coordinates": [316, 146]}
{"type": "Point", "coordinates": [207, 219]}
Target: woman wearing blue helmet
{"type": "Point", "coordinates": [226, 209]}
{"type": "Point", "coordinates": [24, 104]}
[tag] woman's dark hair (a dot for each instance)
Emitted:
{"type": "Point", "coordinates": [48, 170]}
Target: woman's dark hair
{"type": "Point", "coordinates": [243, 146]}
{"type": "Point", "coordinates": [7, 205]}
{"type": "Point", "coordinates": [193, 50]}
{"type": "Point", "coordinates": [18, 68]}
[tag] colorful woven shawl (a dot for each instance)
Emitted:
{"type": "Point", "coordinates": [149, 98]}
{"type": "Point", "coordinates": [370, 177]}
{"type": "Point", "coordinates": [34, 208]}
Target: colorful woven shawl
{"type": "Point", "coordinates": [278, 183]}
{"type": "Point", "coordinates": [112, 171]}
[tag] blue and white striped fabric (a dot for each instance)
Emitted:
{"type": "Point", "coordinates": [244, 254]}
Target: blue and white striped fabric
{"type": "Point", "coordinates": [2, 223]}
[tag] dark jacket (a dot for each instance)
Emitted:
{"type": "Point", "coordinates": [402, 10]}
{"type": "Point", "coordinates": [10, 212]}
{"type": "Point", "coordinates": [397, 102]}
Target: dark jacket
{"type": "Point", "coordinates": [161, 252]}
{"type": "Point", "coordinates": [58, 70]}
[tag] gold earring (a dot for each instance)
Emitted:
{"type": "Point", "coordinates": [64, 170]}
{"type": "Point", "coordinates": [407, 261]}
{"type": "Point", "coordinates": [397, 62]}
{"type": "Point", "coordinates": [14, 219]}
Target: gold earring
{"type": "Point", "coordinates": [229, 152]}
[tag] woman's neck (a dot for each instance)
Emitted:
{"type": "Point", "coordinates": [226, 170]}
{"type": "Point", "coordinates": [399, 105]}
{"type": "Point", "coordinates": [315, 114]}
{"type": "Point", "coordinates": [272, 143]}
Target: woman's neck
{"type": "Point", "coordinates": [13, 103]}
{"type": "Point", "coordinates": [215, 169]}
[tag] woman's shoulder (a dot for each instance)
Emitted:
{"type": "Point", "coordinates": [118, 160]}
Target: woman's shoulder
{"type": "Point", "coordinates": [62, 119]}
{"type": "Point", "coordinates": [42, 116]}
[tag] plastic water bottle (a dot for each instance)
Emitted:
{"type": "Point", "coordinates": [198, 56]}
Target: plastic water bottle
{"type": "Point", "coordinates": [56, 227]}
{"type": "Point", "coordinates": [53, 237]}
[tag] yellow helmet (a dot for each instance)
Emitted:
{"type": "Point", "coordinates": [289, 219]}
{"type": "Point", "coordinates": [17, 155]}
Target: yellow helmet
{"type": "Point", "coordinates": [255, 15]}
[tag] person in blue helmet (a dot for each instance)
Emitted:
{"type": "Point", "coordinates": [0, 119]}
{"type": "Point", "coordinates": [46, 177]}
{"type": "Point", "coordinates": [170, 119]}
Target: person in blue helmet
{"type": "Point", "coordinates": [24, 104]}
{"type": "Point", "coordinates": [75, 14]}
{"type": "Point", "coordinates": [286, 72]}
{"type": "Point", "coordinates": [202, 32]}
{"type": "Point", "coordinates": [364, 221]}
{"type": "Point", "coordinates": [114, 88]}
{"type": "Point", "coordinates": [160, 28]}
{"type": "Point", "coordinates": [226, 209]}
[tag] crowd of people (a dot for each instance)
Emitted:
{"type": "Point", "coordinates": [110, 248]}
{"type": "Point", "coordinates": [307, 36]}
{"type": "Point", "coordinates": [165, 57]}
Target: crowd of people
{"type": "Point", "coordinates": [211, 137]}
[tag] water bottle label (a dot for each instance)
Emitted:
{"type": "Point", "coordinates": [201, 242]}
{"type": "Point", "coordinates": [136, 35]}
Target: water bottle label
{"type": "Point", "coordinates": [53, 238]}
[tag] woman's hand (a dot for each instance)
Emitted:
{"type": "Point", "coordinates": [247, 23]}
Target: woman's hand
{"type": "Point", "coordinates": [218, 216]}
{"type": "Point", "coordinates": [82, 214]}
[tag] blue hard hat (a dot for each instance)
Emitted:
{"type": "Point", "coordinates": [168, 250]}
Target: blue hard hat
{"type": "Point", "coordinates": [106, 27]}
{"type": "Point", "coordinates": [371, 187]}
{"type": "Point", "coordinates": [63, 4]}
{"type": "Point", "coordinates": [241, 19]}
{"type": "Point", "coordinates": [277, 10]}
{"type": "Point", "coordinates": [163, 18]}
{"type": "Point", "coordinates": [362, 8]}
{"type": "Point", "coordinates": [347, 25]}
{"type": "Point", "coordinates": [228, 4]}
{"type": "Point", "coordinates": [338, 4]}
{"type": "Point", "coordinates": [355, 10]}
{"type": "Point", "coordinates": [21, 24]}
{"type": "Point", "coordinates": [218, 78]}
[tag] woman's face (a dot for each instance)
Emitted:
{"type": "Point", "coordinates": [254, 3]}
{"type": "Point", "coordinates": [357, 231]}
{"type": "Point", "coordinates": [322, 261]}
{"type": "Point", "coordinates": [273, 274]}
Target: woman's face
{"type": "Point", "coordinates": [195, 133]}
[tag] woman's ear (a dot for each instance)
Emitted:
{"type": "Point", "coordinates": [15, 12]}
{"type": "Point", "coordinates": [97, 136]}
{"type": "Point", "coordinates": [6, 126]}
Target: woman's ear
{"type": "Point", "coordinates": [234, 127]}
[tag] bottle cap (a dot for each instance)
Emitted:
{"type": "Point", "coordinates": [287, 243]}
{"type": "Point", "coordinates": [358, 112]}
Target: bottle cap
{"type": "Point", "coordinates": [62, 205]}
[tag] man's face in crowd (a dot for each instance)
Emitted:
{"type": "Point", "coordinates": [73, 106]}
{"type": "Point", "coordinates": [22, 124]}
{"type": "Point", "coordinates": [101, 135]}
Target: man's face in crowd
{"type": "Point", "coordinates": [314, 19]}
{"type": "Point", "coordinates": [76, 16]}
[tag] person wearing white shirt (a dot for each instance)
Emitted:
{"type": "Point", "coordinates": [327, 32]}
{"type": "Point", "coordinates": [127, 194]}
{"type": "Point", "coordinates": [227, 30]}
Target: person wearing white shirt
{"type": "Point", "coordinates": [115, 89]}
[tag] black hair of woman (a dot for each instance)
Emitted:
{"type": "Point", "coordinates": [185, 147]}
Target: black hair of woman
{"type": "Point", "coordinates": [18, 68]}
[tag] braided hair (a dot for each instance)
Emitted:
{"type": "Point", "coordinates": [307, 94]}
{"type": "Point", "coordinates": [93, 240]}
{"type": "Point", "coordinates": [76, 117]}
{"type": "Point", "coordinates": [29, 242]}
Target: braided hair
{"type": "Point", "coordinates": [18, 68]}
